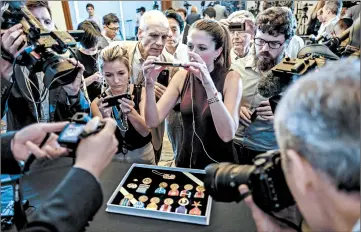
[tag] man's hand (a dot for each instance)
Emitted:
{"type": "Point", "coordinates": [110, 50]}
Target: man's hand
{"type": "Point", "coordinates": [245, 116]}
{"type": "Point", "coordinates": [73, 88]}
{"type": "Point", "coordinates": [265, 111]}
{"type": "Point", "coordinates": [27, 141]}
{"type": "Point", "coordinates": [11, 40]}
{"type": "Point", "coordinates": [95, 152]}
{"type": "Point", "coordinates": [159, 90]}
{"type": "Point", "coordinates": [264, 222]}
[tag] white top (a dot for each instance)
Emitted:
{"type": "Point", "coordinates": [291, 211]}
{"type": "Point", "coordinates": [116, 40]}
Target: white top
{"type": "Point", "coordinates": [181, 53]}
{"type": "Point", "coordinates": [294, 46]}
{"type": "Point", "coordinates": [327, 26]}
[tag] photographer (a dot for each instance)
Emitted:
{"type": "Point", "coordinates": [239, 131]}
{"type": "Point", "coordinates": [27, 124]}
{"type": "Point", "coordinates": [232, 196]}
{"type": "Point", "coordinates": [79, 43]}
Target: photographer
{"type": "Point", "coordinates": [67, 208]}
{"type": "Point", "coordinates": [317, 125]}
{"type": "Point", "coordinates": [21, 88]}
{"type": "Point", "coordinates": [274, 30]}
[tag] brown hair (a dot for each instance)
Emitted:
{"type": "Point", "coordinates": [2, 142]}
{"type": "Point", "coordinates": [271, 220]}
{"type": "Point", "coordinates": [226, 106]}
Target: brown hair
{"type": "Point", "coordinates": [221, 38]}
{"type": "Point", "coordinates": [182, 10]}
{"type": "Point", "coordinates": [276, 21]}
{"type": "Point", "coordinates": [35, 4]}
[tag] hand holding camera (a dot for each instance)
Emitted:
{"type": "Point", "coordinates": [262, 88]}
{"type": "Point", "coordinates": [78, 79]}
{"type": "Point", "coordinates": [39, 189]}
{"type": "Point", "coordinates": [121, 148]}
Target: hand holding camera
{"type": "Point", "coordinates": [96, 151]}
{"type": "Point", "coordinates": [28, 140]}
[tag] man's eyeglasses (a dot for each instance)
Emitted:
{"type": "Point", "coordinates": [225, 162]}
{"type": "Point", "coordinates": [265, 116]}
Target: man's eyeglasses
{"type": "Point", "coordinates": [113, 28]}
{"type": "Point", "coordinates": [271, 44]}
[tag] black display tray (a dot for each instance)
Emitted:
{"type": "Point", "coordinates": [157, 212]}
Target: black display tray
{"type": "Point", "coordinates": [135, 176]}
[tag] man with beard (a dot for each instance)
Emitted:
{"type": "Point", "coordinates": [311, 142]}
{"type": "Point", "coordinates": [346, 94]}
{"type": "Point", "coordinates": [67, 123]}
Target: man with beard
{"type": "Point", "coordinates": [255, 135]}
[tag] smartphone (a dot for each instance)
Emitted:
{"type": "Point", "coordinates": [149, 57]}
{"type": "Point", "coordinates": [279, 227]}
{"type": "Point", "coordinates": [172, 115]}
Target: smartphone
{"type": "Point", "coordinates": [163, 78]}
{"type": "Point", "coordinates": [237, 27]}
{"type": "Point", "coordinates": [169, 64]}
{"type": "Point", "coordinates": [113, 100]}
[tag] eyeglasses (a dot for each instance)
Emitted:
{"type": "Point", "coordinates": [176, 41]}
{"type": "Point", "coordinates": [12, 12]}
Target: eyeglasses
{"type": "Point", "coordinates": [113, 28]}
{"type": "Point", "coordinates": [271, 44]}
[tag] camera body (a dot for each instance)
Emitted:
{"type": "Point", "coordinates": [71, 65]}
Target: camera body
{"type": "Point", "coordinates": [265, 179]}
{"type": "Point", "coordinates": [74, 132]}
{"type": "Point", "coordinates": [43, 47]}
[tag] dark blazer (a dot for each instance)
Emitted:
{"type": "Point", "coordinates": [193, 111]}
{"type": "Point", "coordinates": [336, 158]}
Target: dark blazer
{"type": "Point", "coordinates": [21, 111]}
{"type": "Point", "coordinates": [191, 18]}
{"type": "Point", "coordinates": [71, 205]}
{"type": "Point", "coordinates": [185, 34]}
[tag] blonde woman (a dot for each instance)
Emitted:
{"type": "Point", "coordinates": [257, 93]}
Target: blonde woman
{"type": "Point", "coordinates": [132, 133]}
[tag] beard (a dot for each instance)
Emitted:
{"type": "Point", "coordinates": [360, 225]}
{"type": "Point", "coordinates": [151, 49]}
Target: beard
{"type": "Point", "coordinates": [264, 61]}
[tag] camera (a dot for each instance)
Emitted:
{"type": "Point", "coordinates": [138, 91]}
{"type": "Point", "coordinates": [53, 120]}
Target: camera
{"type": "Point", "coordinates": [265, 180]}
{"type": "Point", "coordinates": [43, 46]}
{"type": "Point", "coordinates": [237, 27]}
{"type": "Point", "coordinates": [186, 4]}
{"type": "Point", "coordinates": [74, 131]}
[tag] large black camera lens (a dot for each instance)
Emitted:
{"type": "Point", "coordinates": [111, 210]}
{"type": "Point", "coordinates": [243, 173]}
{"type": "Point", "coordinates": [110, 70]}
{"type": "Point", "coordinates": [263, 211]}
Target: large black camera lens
{"type": "Point", "coordinates": [265, 179]}
{"type": "Point", "coordinates": [222, 180]}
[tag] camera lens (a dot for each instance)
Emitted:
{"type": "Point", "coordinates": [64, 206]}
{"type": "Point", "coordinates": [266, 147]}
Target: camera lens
{"type": "Point", "coordinates": [222, 180]}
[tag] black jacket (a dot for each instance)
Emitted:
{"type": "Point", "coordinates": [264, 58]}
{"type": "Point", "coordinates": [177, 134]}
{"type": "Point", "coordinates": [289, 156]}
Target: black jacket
{"type": "Point", "coordinates": [185, 34]}
{"type": "Point", "coordinates": [20, 111]}
{"type": "Point", "coordinates": [71, 205]}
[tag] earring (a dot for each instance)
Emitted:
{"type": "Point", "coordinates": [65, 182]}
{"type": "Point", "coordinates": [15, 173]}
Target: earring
{"type": "Point", "coordinates": [215, 58]}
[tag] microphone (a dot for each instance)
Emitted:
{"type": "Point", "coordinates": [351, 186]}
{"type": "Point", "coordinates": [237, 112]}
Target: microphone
{"type": "Point", "coordinates": [269, 85]}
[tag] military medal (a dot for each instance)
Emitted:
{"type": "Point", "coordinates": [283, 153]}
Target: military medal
{"type": "Point", "coordinates": [166, 207]}
{"type": "Point", "coordinates": [186, 192]}
{"type": "Point", "coordinates": [132, 186]}
{"type": "Point", "coordinates": [164, 175]}
{"type": "Point", "coordinates": [200, 192]}
{"type": "Point", "coordinates": [174, 190]}
{"type": "Point", "coordinates": [140, 203]}
{"type": "Point", "coordinates": [161, 189]}
{"type": "Point", "coordinates": [196, 210]}
{"type": "Point", "coordinates": [147, 181]}
{"type": "Point", "coordinates": [126, 200]}
{"type": "Point", "coordinates": [142, 188]}
{"type": "Point", "coordinates": [153, 203]}
{"type": "Point", "coordinates": [183, 202]}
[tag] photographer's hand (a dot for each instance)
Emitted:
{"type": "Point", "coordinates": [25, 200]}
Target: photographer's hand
{"type": "Point", "coordinates": [95, 152]}
{"type": "Point", "coordinates": [11, 40]}
{"type": "Point", "coordinates": [27, 141]}
{"type": "Point", "coordinates": [264, 222]}
{"type": "Point", "coordinates": [73, 88]}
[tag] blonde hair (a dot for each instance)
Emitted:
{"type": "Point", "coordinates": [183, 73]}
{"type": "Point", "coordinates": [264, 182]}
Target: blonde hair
{"type": "Point", "coordinates": [110, 53]}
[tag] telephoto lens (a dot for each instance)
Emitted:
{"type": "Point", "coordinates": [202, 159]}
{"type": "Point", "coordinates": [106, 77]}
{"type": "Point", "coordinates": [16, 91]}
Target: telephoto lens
{"type": "Point", "coordinates": [265, 180]}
